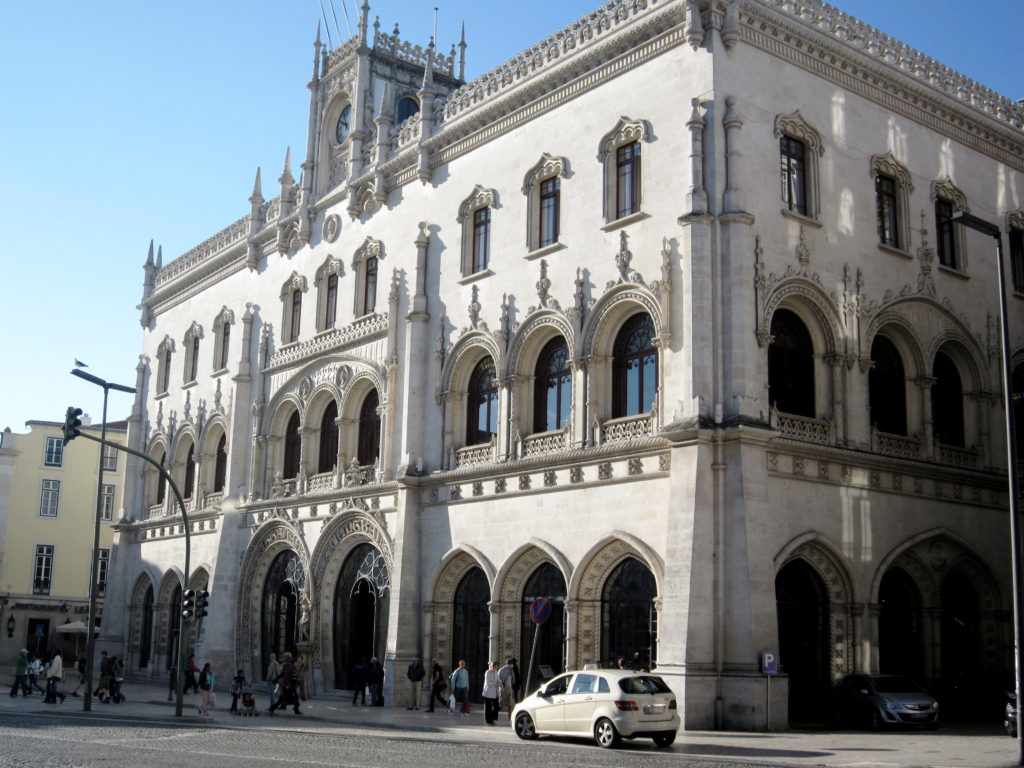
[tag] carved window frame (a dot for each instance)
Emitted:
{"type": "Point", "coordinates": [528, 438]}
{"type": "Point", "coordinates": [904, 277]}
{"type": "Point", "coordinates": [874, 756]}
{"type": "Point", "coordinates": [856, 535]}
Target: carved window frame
{"type": "Point", "coordinates": [190, 371]}
{"type": "Point", "coordinates": [222, 338]}
{"type": "Point", "coordinates": [547, 167]}
{"type": "Point", "coordinates": [944, 190]}
{"type": "Point", "coordinates": [626, 131]}
{"type": "Point", "coordinates": [479, 199]}
{"type": "Point", "coordinates": [296, 284]}
{"type": "Point", "coordinates": [164, 358]}
{"type": "Point", "coordinates": [326, 315]}
{"type": "Point", "coordinates": [366, 264]}
{"type": "Point", "coordinates": [889, 166]}
{"type": "Point", "coordinates": [794, 126]}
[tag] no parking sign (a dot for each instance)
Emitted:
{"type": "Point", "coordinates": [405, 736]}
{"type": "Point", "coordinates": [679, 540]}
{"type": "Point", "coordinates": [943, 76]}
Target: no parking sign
{"type": "Point", "coordinates": [540, 610]}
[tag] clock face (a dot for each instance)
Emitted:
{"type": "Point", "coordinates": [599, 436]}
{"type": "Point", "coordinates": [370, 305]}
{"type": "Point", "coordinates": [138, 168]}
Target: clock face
{"type": "Point", "coordinates": [341, 130]}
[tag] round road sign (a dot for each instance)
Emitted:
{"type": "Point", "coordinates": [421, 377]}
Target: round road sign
{"type": "Point", "coordinates": [540, 610]}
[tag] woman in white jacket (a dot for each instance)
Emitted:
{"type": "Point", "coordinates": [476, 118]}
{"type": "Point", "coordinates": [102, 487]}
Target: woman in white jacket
{"type": "Point", "coordinates": [54, 675]}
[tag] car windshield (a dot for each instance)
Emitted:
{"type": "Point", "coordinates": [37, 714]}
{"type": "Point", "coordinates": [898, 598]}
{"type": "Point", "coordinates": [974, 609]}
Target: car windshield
{"type": "Point", "coordinates": [895, 684]}
{"type": "Point", "coordinates": [643, 684]}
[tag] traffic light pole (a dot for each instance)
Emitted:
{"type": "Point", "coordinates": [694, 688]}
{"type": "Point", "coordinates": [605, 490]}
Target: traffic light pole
{"type": "Point", "coordinates": [182, 633]}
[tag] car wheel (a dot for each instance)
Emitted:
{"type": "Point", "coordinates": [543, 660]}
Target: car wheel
{"type": "Point", "coordinates": [664, 739]}
{"type": "Point", "coordinates": [605, 733]}
{"type": "Point", "coordinates": [524, 726]}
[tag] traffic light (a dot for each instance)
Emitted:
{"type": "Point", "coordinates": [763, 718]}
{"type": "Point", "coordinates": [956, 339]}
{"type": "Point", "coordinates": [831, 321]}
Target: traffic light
{"type": "Point", "coordinates": [71, 424]}
{"type": "Point", "coordinates": [202, 599]}
{"type": "Point", "coordinates": [188, 604]}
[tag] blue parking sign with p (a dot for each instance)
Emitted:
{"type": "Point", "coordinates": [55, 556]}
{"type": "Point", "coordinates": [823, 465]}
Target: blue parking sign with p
{"type": "Point", "coordinates": [770, 662]}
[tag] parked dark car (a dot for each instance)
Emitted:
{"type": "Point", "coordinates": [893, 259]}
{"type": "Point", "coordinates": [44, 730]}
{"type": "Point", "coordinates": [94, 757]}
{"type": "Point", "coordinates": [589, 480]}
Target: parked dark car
{"type": "Point", "coordinates": [878, 701]}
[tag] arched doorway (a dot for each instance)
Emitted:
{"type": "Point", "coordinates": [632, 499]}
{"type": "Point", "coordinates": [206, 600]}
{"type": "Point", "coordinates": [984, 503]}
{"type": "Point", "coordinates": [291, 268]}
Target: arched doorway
{"type": "Point", "coordinates": [282, 593]}
{"type": "Point", "coordinates": [963, 676]}
{"type": "Point", "coordinates": [802, 608]}
{"type": "Point", "coordinates": [361, 600]}
{"type": "Point", "coordinates": [547, 581]}
{"type": "Point", "coordinates": [900, 630]}
{"type": "Point", "coordinates": [471, 628]}
{"type": "Point", "coordinates": [628, 617]}
{"type": "Point", "coordinates": [146, 630]}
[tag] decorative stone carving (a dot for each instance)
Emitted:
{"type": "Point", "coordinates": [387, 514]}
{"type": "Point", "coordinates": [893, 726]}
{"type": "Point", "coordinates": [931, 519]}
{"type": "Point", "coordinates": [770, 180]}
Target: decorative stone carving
{"type": "Point", "coordinates": [332, 227]}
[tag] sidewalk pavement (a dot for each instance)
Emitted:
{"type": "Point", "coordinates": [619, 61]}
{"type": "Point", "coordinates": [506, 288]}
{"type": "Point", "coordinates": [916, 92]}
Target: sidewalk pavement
{"type": "Point", "coordinates": [952, 746]}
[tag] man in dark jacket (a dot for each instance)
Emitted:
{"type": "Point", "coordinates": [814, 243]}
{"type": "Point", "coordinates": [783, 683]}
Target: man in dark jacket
{"type": "Point", "coordinates": [288, 681]}
{"type": "Point", "coordinates": [376, 683]}
{"type": "Point", "coordinates": [359, 681]}
{"type": "Point", "coordinates": [416, 673]}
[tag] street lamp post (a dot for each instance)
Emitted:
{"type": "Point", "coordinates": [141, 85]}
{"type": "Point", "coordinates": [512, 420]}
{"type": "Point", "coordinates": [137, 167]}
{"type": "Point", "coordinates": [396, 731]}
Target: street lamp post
{"type": "Point", "coordinates": [1016, 552]}
{"type": "Point", "coordinates": [90, 643]}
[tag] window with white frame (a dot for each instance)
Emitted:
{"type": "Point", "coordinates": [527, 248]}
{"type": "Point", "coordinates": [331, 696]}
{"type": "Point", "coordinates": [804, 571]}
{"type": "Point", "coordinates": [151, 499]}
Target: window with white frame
{"type": "Point", "coordinates": [102, 568]}
{"type": "Point", "coordinates": [163, 357]}
{"type": "Point", "coordinates": [326, 281]}
{"type": "Point", "coordinates": [543, 189]}
{"type": "Point", "coordinates": [800, 147]}
{"type": "Point", "coordinates": [291, 307]}
{"type": "Point", "coordinates": [54, 456]}
{"type": "Point", "coordinates": [892, 201]}
{"type": "Point", "coordinates": [49, 498]}
{"type": "Point", "coordinates": [109, 458]}
{"type": "Point", "coordinates": [191, 345]}
{"type": "Point", "coordinates": [365, 266]}
{"type": "Point", "coordinates": [475, 218]}
{"type": "Point", "coordinates": [42, 570]}
{"type": "Point", "coordinates": [106, 502]}
{"type": "Point", "coordinates": [619, 152]}
{"type": "Point", "coordinates": [222, 338]}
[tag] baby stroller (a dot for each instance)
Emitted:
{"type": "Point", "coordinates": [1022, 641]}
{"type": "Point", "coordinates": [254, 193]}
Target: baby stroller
{"type": "Point", "coordinates": [249, 702]}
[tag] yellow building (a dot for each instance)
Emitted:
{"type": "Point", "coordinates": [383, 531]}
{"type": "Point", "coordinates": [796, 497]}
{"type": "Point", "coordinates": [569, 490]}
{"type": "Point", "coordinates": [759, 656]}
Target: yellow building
{"type": "Point", "coordinates": [48, 499]}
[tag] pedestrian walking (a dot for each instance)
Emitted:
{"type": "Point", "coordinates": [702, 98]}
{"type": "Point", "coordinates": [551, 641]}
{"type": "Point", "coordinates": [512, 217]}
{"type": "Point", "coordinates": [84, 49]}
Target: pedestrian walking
{"type": "Point", "coordinates": [237, 684]}
{"type": "Point", "coordinates": [460, 687]}
{"type": "Point", "coordinates": [507, 687]}
{"type": "Point", "coordinates": [206, 682]}
{"type": "Point", "coordinates": [438, 683]}
{"type": "Point", "coordinates": [21, 674]}
{"type": "Point", "coordinates": [490, 693]}
{"type": "Point", "coordinates": [300, 677]}
{"type": "Point", "coordinates": [191, 670]}
{"type": "Point", "coordinates": [273, 672]}
{"type": "Point", "coordinates": [35, 671]}
{"type": "Point", "coordinates": [80, 666]}
{"type": "Point", "coordinates": [376, 678]}
{"type": "Point", "coordinates": [54, 678]}
{"type": "Point", "coordinates": [289, 694]}
{"type": "Point", "coordinates": [416, 673]}
{"type": "Point", "coordinates": [359, 680]}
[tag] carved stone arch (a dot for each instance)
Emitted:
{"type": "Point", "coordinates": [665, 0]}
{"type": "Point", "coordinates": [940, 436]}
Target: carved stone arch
{"type": "Point", "coordinates": [456, 563]}
{"type": "Point", "coordinates": [464, 355]}
{"type": "Point", "coordinates": [194, 331]}
{"type": "Point", "coordinates": [224, 316]}
{"type": "Point", "coordinates": [902, 333]}
{"type": "Point", "coordinates": [480, 197]}
{"type": "Point", "coordinates": [532, 335]}
{"type": "Point", "coordinates": [157, 441]}
{"type": "Point", "coordinates": [610, 311]}
{"type": "Point", "coordinates": [963, 351]}
{"type": "Point", "coordinates": [280, 411]}
{"type": "Point", "coordinates": [295, 282]}
{"type": "Point", "coordinates": [360, 385]}
{"type": "Point", "coordinates": [319, 398]}
{"type": "Point", "coordinates": [145, 582]}
{"type": "Point", "coordinates": [947, 190]}
{"type": "Point", "coordinates": [585, 589]}
{"type": "Point", "coordinates": [185, 436]}
{"type": "Point", "coordinates": [796, 126]}
{"type": "Point", "coordinates": [330, 266]}
{"type": "Point", "coordinates": [339, 537]}
{"type": "Point", "coordinates": [370, 247]}
{"type": "Point", "coordinates": [212, 429]}
{"type": "Point", "coordinates": [272, 538]}
{"type": "Point", "coordinates": [890, 166]}
{"type": "Point", "coordinates": [806, 299]}
{"type": "Point", "coordinates": [626, 130]}
{"type": "Point", "coordinates": [547, 167]}
{"type": "Point", "coordinates": [823, 556]}
{"type": "Point", "coordinates": [167, 345]}
{"type": "Point", "coordinates": [163, 607]}
{"type": "Point", "coordinates": [510, 581]}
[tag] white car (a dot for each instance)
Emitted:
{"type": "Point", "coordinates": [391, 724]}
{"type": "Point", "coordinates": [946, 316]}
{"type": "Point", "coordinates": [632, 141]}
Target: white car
{"type": "Point", "coordinates": [605, 704]}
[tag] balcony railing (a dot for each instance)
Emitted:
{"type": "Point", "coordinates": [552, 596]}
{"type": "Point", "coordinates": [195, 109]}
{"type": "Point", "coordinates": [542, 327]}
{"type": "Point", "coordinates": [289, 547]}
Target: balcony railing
{"type": "Point", "coordinates": [544, 442]}
{"type": "Point", "coordinates": [322, 482]}
{"type": "Point", "coordinates": [803, 427]}
{"type": "Point", "coordinates": [627, 427]}
{"type": "Point", "coordinates": [898, 446]}
{"type": "Point", "coordinates": [477, 454]}
{"type": "Point", "coordinates": [966, 458]}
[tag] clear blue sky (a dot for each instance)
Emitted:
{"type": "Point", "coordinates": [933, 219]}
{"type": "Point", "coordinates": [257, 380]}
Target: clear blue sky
{"type": "Point", "coordinates": [123, 122]}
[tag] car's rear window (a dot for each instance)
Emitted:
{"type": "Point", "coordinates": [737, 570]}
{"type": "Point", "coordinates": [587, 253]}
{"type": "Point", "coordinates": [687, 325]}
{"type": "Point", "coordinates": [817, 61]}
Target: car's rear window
{"type": "Point", "coordinates": [643, 684]}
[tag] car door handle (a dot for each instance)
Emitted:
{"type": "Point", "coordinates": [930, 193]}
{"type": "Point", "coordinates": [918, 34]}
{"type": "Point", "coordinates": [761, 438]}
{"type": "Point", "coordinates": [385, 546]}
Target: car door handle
{"type": "Point", "coordinates": [589, 698]}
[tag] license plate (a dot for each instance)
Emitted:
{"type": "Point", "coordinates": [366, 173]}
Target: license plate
{"type": "Point", "coordinates": [918, 716]}
{"type": "Point", "coordinates": [654, 709]}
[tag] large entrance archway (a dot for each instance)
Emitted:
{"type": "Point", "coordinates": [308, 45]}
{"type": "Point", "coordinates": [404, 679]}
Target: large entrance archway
{"type": "Point", "coordinates": [900, 626]}
{"type": "Point", "coordinates": [547, 582]}
{"type": "Point", "coordinates": [360, 610]}
{"type": "Point", "coordinates": [628, 617]}
{"type": "Point", "coordinates": [802, 607]}
{"type": "Point", "coordinates": [471, 628]}
{"type": "Point", "coordinates": [280, 605]}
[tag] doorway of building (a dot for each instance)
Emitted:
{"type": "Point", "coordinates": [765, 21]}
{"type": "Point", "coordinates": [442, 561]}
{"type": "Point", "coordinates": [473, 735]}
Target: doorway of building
{"type": "Point", "coordinates": [547, 582]}
{"type": "Point", "coordinates": [280, 605]}
{"type": "Point", "coordinates": [628, 619]}
{"type": "Point", "coordinates": [471, 627]}
{"type": "Point", "coordinates": [900, 638]}
{"type": "Point", "coordinates": [802, 609]}
{"type": "Point", "coordinates": [361, 604]}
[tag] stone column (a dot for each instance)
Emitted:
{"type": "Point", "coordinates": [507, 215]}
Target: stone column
{"type": "Point", "coordinates": [925, 383]}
